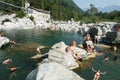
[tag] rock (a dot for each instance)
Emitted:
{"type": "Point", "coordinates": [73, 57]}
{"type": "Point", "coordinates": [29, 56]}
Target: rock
{"type": "Point", "coordinates": [110, 37]}
{"type": "Point", "coordinates": [65, 59]}
{"type": "Point", "coordinates": [103, 46]}
{"type": "Point", "coordinates": [36, 56]}
{"type": "Point", "coordinates": [52, 71]}
{"type": "Point", "coordinates": [61, 47]}
{"type": "Point", "coordinates": [4, 41]}
{"type": "Point", "coordinates": [58, 53]}
{"type": "Point", "coordinates": [57, 65]}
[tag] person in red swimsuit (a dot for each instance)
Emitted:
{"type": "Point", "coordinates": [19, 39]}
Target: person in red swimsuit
{"type": "Point", "coordinates": [97, 74]}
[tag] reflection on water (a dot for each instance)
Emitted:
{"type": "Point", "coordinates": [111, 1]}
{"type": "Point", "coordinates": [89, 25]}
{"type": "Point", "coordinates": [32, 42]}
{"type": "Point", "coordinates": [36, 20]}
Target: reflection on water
{"type": "Point", "coordinates": [28, 40]}
{"type": "Point", "coordinates": [12, 75]}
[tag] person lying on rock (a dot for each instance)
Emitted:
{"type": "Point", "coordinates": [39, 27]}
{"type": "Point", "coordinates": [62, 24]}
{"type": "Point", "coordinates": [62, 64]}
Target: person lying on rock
{"type": "Point", "coordinates": [78, 58]}
{"type": "Point", "coordinates": [74, 54]}
{"type": "Point", "coordinates": [4, 40]}
{"type": "Point", "coordinates": [69, 49]}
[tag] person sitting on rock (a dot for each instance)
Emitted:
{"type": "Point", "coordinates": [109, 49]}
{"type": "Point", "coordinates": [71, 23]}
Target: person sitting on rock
{"type": "Point", "coordinates": [87, 37]}
{"type": "Point", "coordinates": [90, 45]}
{"type": "Point", "coordinates": [38, 51]}
{"type": "Point", "coordinates": [89, 42]}
{"type": "Point", "coordinates": [73, 43]}
{"type": "Point", "coordinates": [69, 49]}
{"type": "Point", "coordinates": [90, 49]}
{"type": "Point", "coordinates": [77, 57]}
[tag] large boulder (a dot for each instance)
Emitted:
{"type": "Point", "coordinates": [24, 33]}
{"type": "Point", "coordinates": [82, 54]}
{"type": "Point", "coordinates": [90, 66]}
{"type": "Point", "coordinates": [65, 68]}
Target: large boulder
{"type": "Point", "coordinates": [110, 37]}
{"type": "Point", "coordinates": [93, 32]}
{"type": "Point", "coordinates": [58, 54]}
{"type": "Point", "coordinates": [57, 65]}
{"type": "Point", "coordinates": [117, 39]}
{"type": "Point", "coordinates": [52, 71]}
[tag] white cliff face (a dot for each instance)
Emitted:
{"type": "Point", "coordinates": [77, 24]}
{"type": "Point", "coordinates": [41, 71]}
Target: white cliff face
{"type": "Point", "coordinates": [53, 71]}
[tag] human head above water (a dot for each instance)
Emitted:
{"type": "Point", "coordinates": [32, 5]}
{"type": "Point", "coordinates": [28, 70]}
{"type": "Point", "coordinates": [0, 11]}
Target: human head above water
{"type": "Point", "coordinates": [2, 34]}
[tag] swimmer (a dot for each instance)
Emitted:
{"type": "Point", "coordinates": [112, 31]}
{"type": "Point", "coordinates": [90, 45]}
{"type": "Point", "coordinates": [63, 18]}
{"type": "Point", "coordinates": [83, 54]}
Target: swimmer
{"type": "Point", "coordinates": [106, 58]}
{"type": "Point", "coordinates": [97, 74]}
{"type": "Point", "coordinates": [12, 68]}
{"type": "Point", "coordinates": [115, 58]}
{"type": "Point", "coordinates": [7, 61]}
{"type": "Point", "coordinates": [38, 50]}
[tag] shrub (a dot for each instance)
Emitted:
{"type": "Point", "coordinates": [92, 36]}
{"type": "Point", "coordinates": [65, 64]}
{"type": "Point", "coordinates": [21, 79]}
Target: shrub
{"type": "Point", "coordinates": [20, 14]}
{"type": "Point", "coordinates": [31, 18]}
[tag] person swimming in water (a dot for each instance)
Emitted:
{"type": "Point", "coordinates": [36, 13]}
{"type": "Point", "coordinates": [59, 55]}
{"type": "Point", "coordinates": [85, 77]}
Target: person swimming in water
{"type": "Point", "coordinates": [97, 74]}
{"type": "Point", "coordinates": [115, 58]}
{"type": "Point", "coordinates": [106, 58]}
{"type": "Point", "coordinates": [12, 68]}
{"type": "Point", "coordinates": [7, 61]}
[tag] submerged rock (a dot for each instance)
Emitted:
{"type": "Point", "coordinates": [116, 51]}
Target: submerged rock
{"type": "Point", "coordinates": [52, 71]}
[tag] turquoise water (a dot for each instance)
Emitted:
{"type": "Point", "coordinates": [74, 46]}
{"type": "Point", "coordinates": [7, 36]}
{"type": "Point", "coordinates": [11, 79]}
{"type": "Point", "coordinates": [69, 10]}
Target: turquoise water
{"type": "Point", "coordinates": [21, 58]}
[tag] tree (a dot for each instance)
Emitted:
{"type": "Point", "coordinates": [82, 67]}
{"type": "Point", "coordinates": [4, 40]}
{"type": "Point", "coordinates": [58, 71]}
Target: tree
{"type": "Point", "coordinates": [93, 10]}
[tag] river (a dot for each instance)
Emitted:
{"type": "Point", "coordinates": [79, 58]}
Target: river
{"type": "Point", "coordinates": [32, 37]}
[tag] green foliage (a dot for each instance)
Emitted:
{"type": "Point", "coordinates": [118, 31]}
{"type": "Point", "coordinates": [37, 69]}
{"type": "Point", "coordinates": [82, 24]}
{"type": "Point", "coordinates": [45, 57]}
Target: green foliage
{"type": "Point", "coordinates": [14, 2]}
{"type": "Point", "coordinates": [20, 14]}
{"type": "Point", "coordinates": [59, 9]}
{"type": "Point", "coordinates": [86, 20]}
{"type": "Point", "coordinates": [31, 18]}
{"type": "Point", "coordinates": [92, 15]}
{"type": "Point", "coordinates": [65, 10]}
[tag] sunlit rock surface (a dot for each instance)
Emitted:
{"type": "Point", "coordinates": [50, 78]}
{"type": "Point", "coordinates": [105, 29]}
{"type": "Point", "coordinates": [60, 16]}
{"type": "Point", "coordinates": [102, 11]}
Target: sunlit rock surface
{"type": "Point", "coordinates": [52, 71]}
{"type": "Point", "coordinates": [57, 65]}
{"type": "Point", "coordinates": [58, 54]}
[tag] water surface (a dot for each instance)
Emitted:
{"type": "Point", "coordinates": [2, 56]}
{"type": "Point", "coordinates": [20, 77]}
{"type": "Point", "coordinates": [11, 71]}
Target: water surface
{"type": "Point", "coordinates": [21, 57]}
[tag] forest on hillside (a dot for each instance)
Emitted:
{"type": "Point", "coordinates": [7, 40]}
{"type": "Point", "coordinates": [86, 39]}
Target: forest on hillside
{"type": "Point", "coordinates": [67, 9]}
